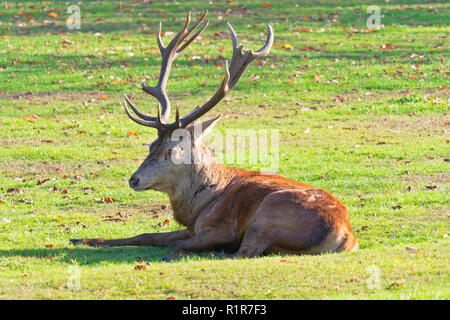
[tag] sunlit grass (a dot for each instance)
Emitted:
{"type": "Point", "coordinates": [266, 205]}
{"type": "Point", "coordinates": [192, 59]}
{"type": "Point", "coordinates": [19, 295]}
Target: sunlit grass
{"type": "Point", "coordinates": [361, 114]}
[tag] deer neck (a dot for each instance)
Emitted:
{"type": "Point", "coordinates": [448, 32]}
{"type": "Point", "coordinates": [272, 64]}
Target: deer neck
{"type": "Point", "coordinates": [197, 187]}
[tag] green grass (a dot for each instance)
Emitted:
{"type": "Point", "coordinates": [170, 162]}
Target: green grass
{"type": "Point", "coordinates": [363, 115]}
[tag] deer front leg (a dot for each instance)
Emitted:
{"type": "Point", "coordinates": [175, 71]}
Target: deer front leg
{"type": "Point", "coordinates": [146, 239]}
{"type": "Point", "coordinates": [206, 239]}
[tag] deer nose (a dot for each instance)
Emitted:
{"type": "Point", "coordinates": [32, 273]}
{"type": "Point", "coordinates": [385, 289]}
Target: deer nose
{"type": "Point", "coordinates": [133, 182]}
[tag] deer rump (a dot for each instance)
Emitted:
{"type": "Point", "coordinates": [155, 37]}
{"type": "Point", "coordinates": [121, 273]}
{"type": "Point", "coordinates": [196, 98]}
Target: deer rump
{"type": "Point", "coordinates": [249, 213]}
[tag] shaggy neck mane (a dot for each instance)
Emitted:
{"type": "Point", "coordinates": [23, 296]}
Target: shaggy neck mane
{"type": "Point", "coordinates": [198, 185]}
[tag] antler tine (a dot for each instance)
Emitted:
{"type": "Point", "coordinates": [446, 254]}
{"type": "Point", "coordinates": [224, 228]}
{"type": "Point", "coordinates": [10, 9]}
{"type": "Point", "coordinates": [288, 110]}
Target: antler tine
{"type": "Point", "coordinates": [140, 114]}
{"type": "Point", "coordinates": [188, 42]}
{"type": "Point", "coordinates": [240, 60]}
{"type": "Point", "coordinates": [140, 121]}
{"type": "Point", "coordinates": [158, 38]}
{"type": "Point", "coordinates": [160, 122]}
{"type": "Point", "coordinates": [234, 39]}
{"type": "Point", "coordinates": [269, 41]}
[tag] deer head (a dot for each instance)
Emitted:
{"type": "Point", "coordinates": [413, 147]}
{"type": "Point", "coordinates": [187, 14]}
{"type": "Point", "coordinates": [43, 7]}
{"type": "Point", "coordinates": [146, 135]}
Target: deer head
{"type": "Point", "coordinates": [181, 140]}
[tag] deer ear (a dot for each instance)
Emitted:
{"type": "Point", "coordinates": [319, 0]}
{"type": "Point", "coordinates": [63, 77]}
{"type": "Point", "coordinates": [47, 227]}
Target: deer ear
{"type": "Point", "coordinates": [199, 130]}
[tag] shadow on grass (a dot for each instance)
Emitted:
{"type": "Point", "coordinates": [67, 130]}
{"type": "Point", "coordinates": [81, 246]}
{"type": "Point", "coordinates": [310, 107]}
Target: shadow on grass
{"type": "Point", "coordinates": [89, 256]}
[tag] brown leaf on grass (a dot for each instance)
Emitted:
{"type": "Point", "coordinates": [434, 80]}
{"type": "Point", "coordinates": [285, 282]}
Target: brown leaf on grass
{"type": "Point", "coordinates": [32, 117]}
{"type": "Point", "coordinates": [171, 298]}
{"type": "Point", "coordinates": [395, 284]}
{"type": "Point", "coordinates": [50, 245]}
{"type": "Point", "coordinates": [114, 220]}
{"type": "Point", "coordinates": [81, 224]}
{"type": "Point", "coordinates": [431, 187]}
{"type": "Point", "coordinates": [107, 200]}
{"type": "Point", "coordinates": [411, 249]}
{"type": "Point", "coordinates": [13, 190]}
{"type": "Point", "coordinates": [132, 133]}
{"type": "Point", "coordinates": [140, 267]}
{"type": "Point", "coordinates": [40, 182]}
{"type": "Point", "coordinates": [397, 207]}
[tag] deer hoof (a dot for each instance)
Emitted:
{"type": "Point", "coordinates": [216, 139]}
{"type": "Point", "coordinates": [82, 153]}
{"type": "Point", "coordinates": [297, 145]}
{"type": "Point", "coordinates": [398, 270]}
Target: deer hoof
{"type": "Point", "coordinates": [178, 248]}
{"type": "Point", "coordinates": [89, 242]}
{"type": "Point", "coordinates": [76, 241]}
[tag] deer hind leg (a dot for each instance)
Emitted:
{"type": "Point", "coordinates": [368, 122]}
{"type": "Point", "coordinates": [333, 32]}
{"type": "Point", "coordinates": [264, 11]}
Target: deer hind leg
{"type": "Point", "coordinates": [146, 239]}
{"type": "Point", "coordinates": [282, 225]}
{"type": "Point", "coordinates": [253, 245]}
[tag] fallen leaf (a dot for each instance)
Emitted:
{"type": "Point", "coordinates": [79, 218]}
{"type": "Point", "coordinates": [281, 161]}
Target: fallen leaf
{"type": "Point", "coordinates": [140, 267]}
{"type": "Point", "coordinates": [53, 15]}
{"type": "Point", "coordinates": [81, 224]}
{"type": "Point", "coordinates": [396, 284]}
{"type": "Point", "coordinates": [40, 182]}
{"type": "Point", "coordinates": [114, 220]}
{"type": "Point", "coordinates": [32, 117]}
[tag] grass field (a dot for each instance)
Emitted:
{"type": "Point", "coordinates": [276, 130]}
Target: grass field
{"type": "Point", "coordinates": [361, 113]}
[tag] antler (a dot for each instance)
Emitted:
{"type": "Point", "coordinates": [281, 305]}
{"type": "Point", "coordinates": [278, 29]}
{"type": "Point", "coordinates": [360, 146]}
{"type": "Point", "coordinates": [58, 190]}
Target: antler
{"type": "Point", "coordinates": [239, 64]}
{"type": "Point", "coordinates": [168, 54]}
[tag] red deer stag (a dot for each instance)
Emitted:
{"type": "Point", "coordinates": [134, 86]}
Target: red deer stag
{"type": "Point", "coordinates": [225, 208]}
